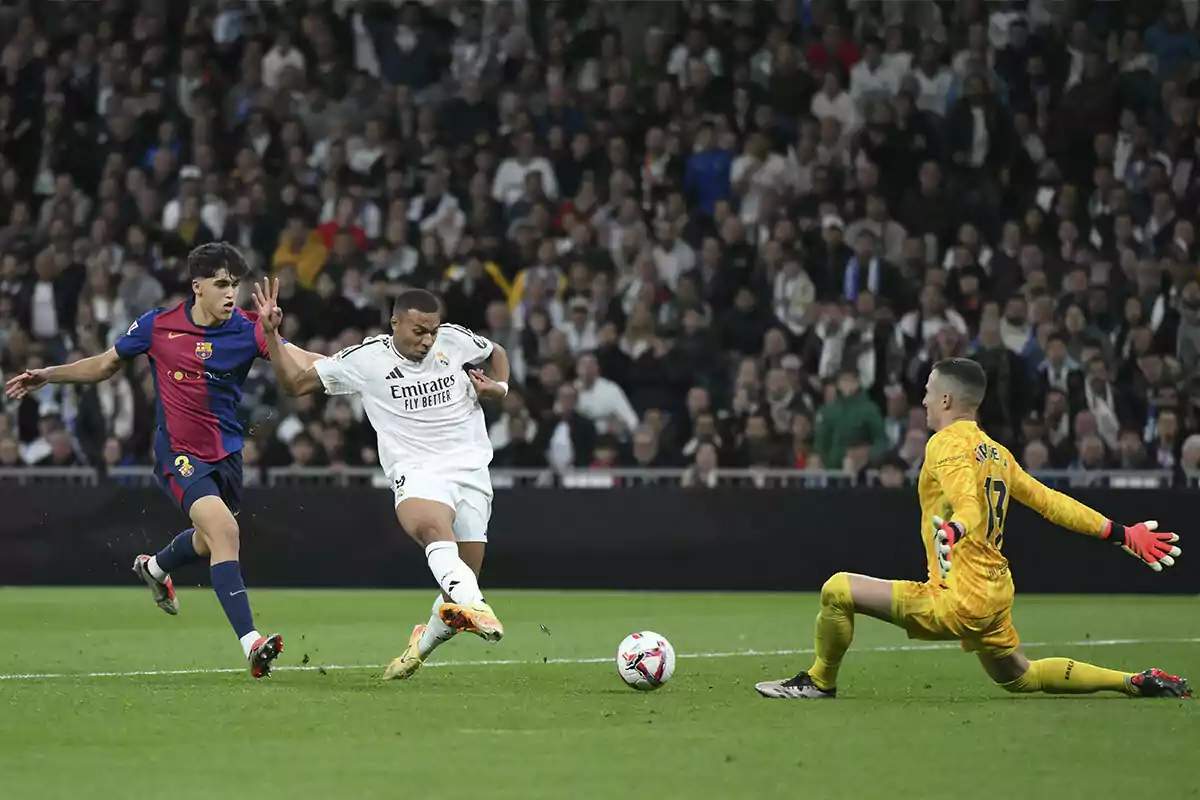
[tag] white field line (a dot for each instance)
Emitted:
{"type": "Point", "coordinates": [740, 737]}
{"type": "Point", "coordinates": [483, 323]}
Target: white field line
{"type": "Point", "coordinates": [904, 648]}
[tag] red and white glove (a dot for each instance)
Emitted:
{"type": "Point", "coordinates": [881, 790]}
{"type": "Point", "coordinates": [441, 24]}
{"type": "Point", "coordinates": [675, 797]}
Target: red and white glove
{"type": "Point", "coordinates": [1155, 548]}
{"type": "Point", "coordinates": [945, 536]}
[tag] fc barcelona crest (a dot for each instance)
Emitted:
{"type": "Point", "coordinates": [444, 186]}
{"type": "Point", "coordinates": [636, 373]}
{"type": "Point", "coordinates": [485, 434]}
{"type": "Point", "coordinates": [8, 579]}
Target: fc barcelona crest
{"type": "Point", "coordinates": [203, 350]}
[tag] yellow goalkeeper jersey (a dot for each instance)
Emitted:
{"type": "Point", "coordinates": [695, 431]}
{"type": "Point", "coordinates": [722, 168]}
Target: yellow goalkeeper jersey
{"type": "Point", "coordinates": [970, 479]}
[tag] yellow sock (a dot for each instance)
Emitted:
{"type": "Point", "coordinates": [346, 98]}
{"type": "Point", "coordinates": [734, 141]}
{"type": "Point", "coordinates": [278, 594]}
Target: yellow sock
{"type": "Point", "coordinates": [834, 630]}
{"type": "Point", "coordinates": [1067, 676]}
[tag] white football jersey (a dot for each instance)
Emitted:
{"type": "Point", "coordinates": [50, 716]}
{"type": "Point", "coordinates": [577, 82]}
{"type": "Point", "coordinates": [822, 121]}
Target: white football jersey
{"type": "Point", "coordinates": [425, 413]}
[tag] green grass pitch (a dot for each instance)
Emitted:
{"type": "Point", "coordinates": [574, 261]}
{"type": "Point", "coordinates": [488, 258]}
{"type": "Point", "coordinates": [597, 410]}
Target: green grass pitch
{"type": "Point", "coordinates": [548, 718]}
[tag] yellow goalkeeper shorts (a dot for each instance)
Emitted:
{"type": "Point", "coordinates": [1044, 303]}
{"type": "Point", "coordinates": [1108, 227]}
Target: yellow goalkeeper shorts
{"type": "Point", "coordinates": [929, 612]}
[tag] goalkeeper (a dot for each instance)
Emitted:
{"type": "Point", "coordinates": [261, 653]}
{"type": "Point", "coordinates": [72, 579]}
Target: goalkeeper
{"type": "Point", "coordinates": [965, 486]}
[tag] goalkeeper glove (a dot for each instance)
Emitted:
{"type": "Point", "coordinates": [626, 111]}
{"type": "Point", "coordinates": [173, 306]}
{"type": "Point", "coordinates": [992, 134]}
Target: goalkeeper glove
{"type": "Point", "coordinates": [1154, 547]}
{"type": "Point", "coordinates": [945, 536]}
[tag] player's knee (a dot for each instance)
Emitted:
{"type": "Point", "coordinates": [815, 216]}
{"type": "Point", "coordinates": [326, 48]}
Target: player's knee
{"type": "Point", "coordinates": [426, 521]}
{"type": "Point", "coordinates": [429, 531]}
{"type": "Point", "coordinates": [1029, 681]}
{"type": "Point", "coordinates": [1020, 686]}
{"type": "Point", "coordinates": [223, 534]}
{"type": "Point", "coordinates": [836, 592]}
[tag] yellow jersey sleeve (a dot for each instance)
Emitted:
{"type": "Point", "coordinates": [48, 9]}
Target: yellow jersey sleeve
{"type": "Point", "coordinates": [950, 459]}
{"type": "Point", "coordinates": [1055, 506]}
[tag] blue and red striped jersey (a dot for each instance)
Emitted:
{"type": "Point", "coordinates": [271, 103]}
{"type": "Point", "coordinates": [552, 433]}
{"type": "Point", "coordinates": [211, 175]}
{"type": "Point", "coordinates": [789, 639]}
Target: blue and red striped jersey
{"type": "Point", "coordinates": [198, 375]}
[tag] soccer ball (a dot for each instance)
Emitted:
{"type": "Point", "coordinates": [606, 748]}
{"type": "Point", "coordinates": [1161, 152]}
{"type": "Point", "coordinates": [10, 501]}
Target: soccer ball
{"type": "Point", "coordinates": [645, 660]}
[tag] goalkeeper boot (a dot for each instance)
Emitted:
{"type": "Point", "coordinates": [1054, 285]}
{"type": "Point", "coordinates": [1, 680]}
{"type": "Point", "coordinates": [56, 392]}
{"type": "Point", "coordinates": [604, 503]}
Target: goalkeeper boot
{"type": "Point", "coordinates": [800, 687]}
{"type": "Point", "coordinates": [163, 592]}
{"type": "Point", "coordinates": [477, 618]}
{"type": "Point", "coordinates": [409, 661]}
{"type": "Point", "coordinates": [1156, 683]}
{"type": "Point", "coordinates": [264, 651]}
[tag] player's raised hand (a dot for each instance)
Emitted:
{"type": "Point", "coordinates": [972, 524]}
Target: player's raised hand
{"type": "Point", "coordinates": [28, 381]}
{"type": "Point", "coordinates": [266, 303]}
{"type": "Point", "coordinates": [1145, 541]}
{"type": "Point", "coordinates": [485, 387]}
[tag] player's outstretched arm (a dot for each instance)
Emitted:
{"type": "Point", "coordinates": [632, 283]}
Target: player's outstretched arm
{"type": "Point", "coordinates": [93, 369]}
{"type": "Point", "coordinates": [1066, 512]}
{"type": "Point", "coordinates": [1143, 541]}
{"type": "Point", "coordinates": [306, 357]}
{"type": "Point", "coordinates": [294, 368]}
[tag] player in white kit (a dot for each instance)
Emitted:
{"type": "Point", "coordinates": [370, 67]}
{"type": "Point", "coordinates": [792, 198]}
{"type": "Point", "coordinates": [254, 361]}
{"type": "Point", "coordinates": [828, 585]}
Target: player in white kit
{"type": "Point", "coordinates": [421, 391]}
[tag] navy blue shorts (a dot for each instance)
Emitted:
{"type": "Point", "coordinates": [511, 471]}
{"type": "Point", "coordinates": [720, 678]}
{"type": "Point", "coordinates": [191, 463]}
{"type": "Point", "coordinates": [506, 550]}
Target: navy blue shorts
{"type": "Point", "coordinates": [186, 479]}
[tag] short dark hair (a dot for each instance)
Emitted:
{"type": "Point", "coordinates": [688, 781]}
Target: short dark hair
{"type": "Point", "coordinates": [417, 300]}
{"type": "Point", "coordinates": [209, 259]}
{"type": "Point", "coordinates": [969, 376]}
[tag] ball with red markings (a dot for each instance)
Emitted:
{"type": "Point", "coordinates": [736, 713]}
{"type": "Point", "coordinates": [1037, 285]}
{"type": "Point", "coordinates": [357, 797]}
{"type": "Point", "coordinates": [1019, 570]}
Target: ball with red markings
{"type": "Point", "coordinates": [645, 660]}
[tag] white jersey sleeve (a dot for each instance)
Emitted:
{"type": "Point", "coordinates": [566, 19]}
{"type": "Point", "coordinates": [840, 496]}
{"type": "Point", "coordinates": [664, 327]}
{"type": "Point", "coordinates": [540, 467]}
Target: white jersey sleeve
{"type": "Point", "coordinates": [471, 347]}
{"type": "Point", "coordinates": [344, 372]}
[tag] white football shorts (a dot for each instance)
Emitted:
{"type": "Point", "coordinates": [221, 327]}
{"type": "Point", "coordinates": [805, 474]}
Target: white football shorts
{"type": "Point", "coordinates": [468, 492]}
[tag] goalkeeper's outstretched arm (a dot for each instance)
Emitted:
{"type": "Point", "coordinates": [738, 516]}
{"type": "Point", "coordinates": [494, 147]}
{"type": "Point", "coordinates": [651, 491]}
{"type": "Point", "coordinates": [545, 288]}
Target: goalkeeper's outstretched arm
{"type": "Point", "coordinates": [1143, 541]}
{"type": "Point", "coordinates": [1066, 512]}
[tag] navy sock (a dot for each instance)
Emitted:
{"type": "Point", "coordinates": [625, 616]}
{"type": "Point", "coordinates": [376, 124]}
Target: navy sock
{"type": "Point", "coordinates": [179, 553]}
{"type": "Point", "coordinates": [227, 583]}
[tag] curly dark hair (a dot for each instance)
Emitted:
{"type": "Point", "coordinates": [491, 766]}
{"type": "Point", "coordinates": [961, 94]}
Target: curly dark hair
{"type": "Point", "coordinates": [209, 259]}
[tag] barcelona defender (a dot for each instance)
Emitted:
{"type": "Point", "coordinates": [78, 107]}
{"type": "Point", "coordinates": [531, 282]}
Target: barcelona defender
{"type": "Point", "coordinates": [965, 486]}
{"type": "Point", "coordinates": [200, 353]}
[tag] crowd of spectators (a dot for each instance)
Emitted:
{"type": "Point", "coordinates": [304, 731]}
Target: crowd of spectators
{"type": "Point", "coordinates": [709, 234]}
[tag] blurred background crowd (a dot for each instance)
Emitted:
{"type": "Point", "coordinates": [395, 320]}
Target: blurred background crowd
{"type": "Point", "coordinates": [710, 234]}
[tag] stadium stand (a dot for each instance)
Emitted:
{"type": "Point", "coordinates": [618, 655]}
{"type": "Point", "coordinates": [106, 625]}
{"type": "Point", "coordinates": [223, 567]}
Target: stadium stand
{"type": "Point", "coordinates": [711, 235]}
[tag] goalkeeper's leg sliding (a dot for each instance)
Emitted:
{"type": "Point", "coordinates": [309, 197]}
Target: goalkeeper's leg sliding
{"type": "Point", "coordinates": [917, 609]}
{"type": "Point", "coordinates": [1068, 676]}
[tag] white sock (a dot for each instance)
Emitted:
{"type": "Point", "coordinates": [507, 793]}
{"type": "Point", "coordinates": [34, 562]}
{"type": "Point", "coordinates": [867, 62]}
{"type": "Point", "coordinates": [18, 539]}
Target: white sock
{"type": "Point", "coordinates": [436, 631]}
{"type": "Point", "coordinates": [248, 641]}
{"type": "Point", "coordinates": [156, 572]}
{"type": "Point", "coordinates": [452, 574]}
